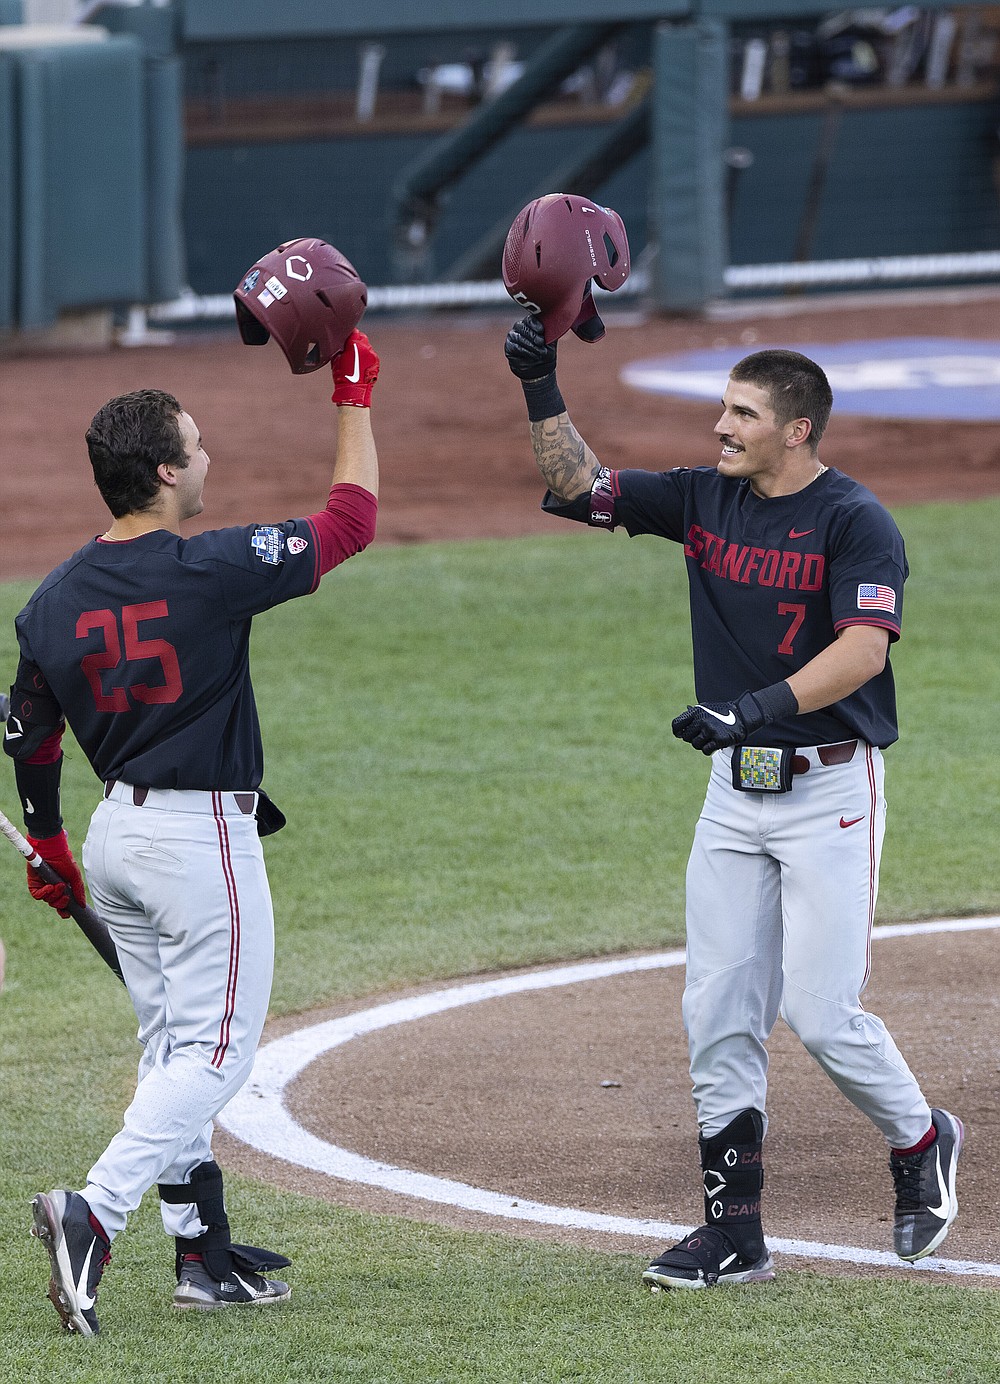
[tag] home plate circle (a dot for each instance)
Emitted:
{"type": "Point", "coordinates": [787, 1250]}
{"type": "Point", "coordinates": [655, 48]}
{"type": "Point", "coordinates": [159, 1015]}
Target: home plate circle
{"type": "Point", "coordinates": [901, 377]}
{"type": "Point", "coordinates": [260, 1116]}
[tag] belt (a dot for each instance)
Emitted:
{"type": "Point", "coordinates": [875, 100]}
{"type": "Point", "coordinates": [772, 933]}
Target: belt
{"type": "Point", "coordinates": [840, 753]}
{"type": "Point", "coordinates": [205, 800]}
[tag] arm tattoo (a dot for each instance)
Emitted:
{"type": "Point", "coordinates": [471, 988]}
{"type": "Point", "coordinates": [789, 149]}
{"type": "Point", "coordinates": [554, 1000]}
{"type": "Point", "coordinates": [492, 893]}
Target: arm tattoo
{"type": "Point", "coordinates": [567, 464]}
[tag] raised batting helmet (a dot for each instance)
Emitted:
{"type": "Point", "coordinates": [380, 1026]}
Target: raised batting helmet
{"type": "Point", "coordinates": [307, 296]}
{"type": "Point", "coordinates": [556, 245]}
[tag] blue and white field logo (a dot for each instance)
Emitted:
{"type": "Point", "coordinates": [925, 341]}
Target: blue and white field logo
{"type": "Point", "coordinates": [905, 377]}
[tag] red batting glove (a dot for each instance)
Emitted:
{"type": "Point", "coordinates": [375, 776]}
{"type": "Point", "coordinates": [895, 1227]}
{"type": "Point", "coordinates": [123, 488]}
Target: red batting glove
{"type": "Point", "coordinates": [355, 370]}
{"type": "Point", "coordinates": [55, 851]}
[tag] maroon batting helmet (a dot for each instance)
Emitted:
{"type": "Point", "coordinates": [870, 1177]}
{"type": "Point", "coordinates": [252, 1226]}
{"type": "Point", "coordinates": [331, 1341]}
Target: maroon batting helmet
{"type": "Point", "coordinates": [556, 245]}
{"type": "Point", "coordinates": [307, 296]}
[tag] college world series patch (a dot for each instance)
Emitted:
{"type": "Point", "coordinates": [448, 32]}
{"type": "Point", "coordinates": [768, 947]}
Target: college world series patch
{"type": "Point", "coordinates": [268, 542]}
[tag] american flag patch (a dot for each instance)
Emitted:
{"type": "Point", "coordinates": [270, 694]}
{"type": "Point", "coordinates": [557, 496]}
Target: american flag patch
{"type": "Point", "coordinates": [876, 597]}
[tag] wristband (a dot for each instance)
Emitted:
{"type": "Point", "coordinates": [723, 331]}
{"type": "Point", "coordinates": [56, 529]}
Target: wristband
{"type": "Point", "coordinates": [543, 398]}
{"type": "Point", "coordinates": [775, 702]}
{"type": "Point", "coordinates": [602, 500]}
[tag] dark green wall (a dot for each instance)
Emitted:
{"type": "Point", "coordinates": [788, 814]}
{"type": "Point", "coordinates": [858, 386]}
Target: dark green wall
{"type": "Point", "coordinates": [80, 178]}
{"type": "Point", "coordinates": [213, 19]}
{"type": "Point", "coordinates": [939, 198]}
{"type": "Point", "coordinates": [900, 182]}
{"type": "Point", "coordinates": [8, 218]}
{"type": "Point", "coordinates": [265, 18]}
{"type": "Point", "coordinates": [241, 200]}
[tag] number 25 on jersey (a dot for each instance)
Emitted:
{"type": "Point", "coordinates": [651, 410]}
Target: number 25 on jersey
{"type": "Point", "coordinates": [123, 629]}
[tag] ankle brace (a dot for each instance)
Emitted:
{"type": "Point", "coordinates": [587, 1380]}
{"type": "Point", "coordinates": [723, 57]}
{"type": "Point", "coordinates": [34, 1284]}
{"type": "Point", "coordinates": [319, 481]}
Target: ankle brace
{"type": "Point", "coordinates": [205, 1190]}
{"type": "Point", "coordinates": [733, 1168]}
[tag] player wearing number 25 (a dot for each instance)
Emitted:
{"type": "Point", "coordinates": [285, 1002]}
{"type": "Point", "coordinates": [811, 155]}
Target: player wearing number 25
{"type": "Point", "coordinates": [796, 588]}
{"type": "Point", "coordinates": [140, 641]}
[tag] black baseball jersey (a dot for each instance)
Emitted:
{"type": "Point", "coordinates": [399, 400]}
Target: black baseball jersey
{"type": "Point", "coordinates": [771, 582]}
{"type": "Point", "coordinates": [144, 646]}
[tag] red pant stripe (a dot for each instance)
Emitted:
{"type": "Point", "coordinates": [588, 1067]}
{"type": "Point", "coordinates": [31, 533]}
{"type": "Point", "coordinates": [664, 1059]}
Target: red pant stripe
{"type": "Point", "coordinates": [234, 932]}
{"type": "Point", "coordinates": [872, 827]}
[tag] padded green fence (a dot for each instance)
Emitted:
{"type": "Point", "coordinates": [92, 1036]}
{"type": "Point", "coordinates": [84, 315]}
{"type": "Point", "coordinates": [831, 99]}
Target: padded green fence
{"type": "Point", "coordinates": [166, 269]}
{"type": "Point", "coordinates": [689, 133]}
{"type": "Point", "coordinates": [82, 184]}
{"type": "Point", "coordinates": [7, 223]}
{"type": "Point", "coordinates": [262, 19]}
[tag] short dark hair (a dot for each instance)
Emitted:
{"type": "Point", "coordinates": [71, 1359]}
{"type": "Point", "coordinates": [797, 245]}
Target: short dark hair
{"type": "Point", "coordinates": [127, 440]}
{"type": "Point", "coordinates": [796, 386]}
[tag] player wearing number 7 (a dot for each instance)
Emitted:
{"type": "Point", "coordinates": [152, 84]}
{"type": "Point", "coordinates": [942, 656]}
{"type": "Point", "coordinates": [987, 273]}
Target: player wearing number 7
{"type": "Point", "coordinates": [140, 641]}
{"type": "Point", "coordinates": [796, 579]}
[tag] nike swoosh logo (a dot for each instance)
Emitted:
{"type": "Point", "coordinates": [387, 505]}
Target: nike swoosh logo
{"type": "Point", "coordinates": [853, 822]}
{"type": "Point", "coordinates": [249, 1286]}
{"type": "Point", "coordinates": [945, 1207]}
{"type": "Point", "coordinates": [353, 379]}
{"type": "Point", "coordinates": [728, 720]}
{"type": "Point", "coordinates": [9, 733]}
{"type": "Point", "coordinates": [799, 533]}
{"type": "Point", "coordinates": [86, 1302]}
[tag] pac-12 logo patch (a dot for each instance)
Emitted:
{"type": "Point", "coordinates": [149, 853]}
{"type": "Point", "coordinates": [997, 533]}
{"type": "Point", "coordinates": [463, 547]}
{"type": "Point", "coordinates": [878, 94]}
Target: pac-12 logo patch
{"type": "Point", "coordinates": [268, 542]}
{"type": "Point", "coordinates": [297, 545]}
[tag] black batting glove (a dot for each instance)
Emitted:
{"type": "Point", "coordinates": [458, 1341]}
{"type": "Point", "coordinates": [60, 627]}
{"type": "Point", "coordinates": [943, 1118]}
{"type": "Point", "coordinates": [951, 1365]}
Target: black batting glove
{"type": "Point", "coordinates": [712, 726]}
{"type": "Point", "coordinates": [528, 355]}
{"type": "Point", "coordinates": [534, 364]}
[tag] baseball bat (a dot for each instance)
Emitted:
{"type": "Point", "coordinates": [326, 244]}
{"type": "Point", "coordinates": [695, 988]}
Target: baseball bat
{"type": "Point", "coordinates": [89, 923]}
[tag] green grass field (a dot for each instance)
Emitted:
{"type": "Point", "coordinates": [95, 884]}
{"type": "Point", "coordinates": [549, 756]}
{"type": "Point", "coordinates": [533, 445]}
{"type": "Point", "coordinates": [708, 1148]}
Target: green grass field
{"type": "Point", "coordinates": [472, 745]}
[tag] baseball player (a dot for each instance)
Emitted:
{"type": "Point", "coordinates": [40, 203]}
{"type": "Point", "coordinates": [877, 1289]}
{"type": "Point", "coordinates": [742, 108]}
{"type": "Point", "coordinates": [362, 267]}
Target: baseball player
{"type": "Point", "coordinates": [140, 641]}
{"type": "Point", "coordinates": [796, 579]}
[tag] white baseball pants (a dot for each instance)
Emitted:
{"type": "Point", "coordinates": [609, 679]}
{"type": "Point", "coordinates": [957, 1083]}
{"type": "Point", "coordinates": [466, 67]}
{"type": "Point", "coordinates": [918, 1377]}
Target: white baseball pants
{"type": "Point", "coordinates": [180, 882]}
{"type": "Point", "coordinates": [781, 891]}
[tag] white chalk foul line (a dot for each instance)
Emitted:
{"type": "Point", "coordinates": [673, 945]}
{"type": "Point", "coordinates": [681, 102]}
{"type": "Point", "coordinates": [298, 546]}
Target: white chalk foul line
{"type": "Point", "coordinates": [257, 1114]}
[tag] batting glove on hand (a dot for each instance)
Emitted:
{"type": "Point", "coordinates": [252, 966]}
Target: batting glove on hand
{"type": "Point", "coordinates": [712, 726]}
{"type": "Point", "coordinates": [528, 355]}
{"type": "Point", "coordinates": [55, 851]}
{"type": "Point", "coordinates": [355, 371]}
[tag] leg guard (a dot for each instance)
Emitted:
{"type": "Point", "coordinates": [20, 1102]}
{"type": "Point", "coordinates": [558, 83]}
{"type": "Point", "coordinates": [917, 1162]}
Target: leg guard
{"type": "Point", "coordinates": [215, 1246]}
{"type": "Point", "coordinates": [733, 1168]}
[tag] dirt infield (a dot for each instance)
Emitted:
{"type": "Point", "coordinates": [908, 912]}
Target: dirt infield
{"type": "Point", "coordinates": [448, 1097]}
{"type": "Point", "coordinates": [579, 1097]}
